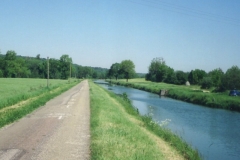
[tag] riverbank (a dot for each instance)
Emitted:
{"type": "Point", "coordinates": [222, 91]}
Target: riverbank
{"type": "Point", "coordinates": [191, 94]}
{"type": "Point", "coordinates": [119, 132]}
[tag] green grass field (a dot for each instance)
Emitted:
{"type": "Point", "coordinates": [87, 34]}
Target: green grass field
{"type": "Point", "coordinates": [14, 90]}
{"type": "Point", "coordinates": [192, 94]}
{"type": "Point", "coordinates": [19, 97]}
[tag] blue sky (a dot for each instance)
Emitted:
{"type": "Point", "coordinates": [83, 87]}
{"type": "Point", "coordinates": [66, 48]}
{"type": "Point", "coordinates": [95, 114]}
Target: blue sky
{"type": "Point", "coordinates": [188, 34]}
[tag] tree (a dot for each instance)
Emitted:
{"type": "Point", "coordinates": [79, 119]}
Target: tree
{"type": "Point", "coordinates": [54, 69]}
{"type": "Point", "coordinates": [87, 72]}
{"type": "Point", "coordinates": [158, 71]}
{"type": "Point", "coordinates": [206, 83]}
{"type": "Point", "coordinates": [127, 68]}
{"type": "Point", "coordinates": [170, 76]}
{"type": "Point", "coordinates": [232, 78]}
{"type": "Point", "coordinates": [10, 66]}
{"type": "Point", "coordinates": [181, 77]}
{"type": "Point", "coordinates": [65, 63]}
{"type": "Point", "coordinates": [216, 76]}
{"type": "Point", "coordinates": [114, 70]}
{"type": "Point", "coordinates": [38, 56]}
{"type": "Point", "coordinates": [196, 76]}
{"type": "Point", "coordinates": [1, 73]}
{"type": "Point", "coordinates": [10, 55]}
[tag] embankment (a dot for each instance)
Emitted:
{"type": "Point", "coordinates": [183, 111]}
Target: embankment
{"type": "Point", "coordinates": [184, 93]}
{"type": "Point", "coordinates": [119, 132]}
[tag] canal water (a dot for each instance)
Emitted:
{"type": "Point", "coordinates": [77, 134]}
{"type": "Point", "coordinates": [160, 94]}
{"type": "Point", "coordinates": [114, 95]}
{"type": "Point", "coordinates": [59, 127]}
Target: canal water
{"type": "Point", "coordinates": [215, 133]}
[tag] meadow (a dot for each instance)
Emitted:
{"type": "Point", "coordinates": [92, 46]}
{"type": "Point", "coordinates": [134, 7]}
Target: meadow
{"type": "Point", "coordinates": [192, 94]}
{"type": "Point", "coordinates": [119, 132]}
{"type": "Point", "coordinates": [14, 90]}
{"type": "Point", "coordinates": [20, 96]}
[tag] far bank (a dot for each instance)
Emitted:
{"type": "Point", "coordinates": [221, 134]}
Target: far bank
{"type": "Point", "coordinates": [191, 94]}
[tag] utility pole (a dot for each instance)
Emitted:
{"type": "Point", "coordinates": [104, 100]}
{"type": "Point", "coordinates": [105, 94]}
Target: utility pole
{"type": "Point", "coordinates": [70, 71]}
{"type": "Point", "coordinates": [48, 72]}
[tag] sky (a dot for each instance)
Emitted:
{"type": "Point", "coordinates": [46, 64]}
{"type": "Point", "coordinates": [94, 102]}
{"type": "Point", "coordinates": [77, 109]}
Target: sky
{"type": "Point", "coordinates": [187, 34]}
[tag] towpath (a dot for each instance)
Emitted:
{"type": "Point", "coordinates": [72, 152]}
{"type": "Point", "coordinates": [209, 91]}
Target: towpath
{"type": "Point", "coordinates": [58, 130]}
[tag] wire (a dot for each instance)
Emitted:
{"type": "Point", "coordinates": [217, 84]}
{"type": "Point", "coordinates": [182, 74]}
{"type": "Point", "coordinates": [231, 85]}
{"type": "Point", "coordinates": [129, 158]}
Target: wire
{"type": "Point", "coordinates": [186, 11]}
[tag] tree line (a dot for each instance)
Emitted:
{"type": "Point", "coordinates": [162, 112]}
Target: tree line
{"type": "Point", "coordinates": [14, 66]}
{"type": "Point", "coordinates": [159, 71]}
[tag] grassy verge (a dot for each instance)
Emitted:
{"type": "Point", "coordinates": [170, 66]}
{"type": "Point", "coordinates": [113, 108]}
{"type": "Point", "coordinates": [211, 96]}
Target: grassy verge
{"type": "Point", "coordinates": [192, 94]}
{"type": "Point", "coordinates": [10, 115]}
{"type": "Point", "coordinates": [119, 132]}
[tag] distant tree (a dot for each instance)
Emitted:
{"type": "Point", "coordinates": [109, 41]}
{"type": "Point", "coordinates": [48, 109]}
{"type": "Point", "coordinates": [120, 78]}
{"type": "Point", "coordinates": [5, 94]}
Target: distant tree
{"type": "Point", "coordinates": [196, 76]}
{"type": "Point", "coordinates": [1, 63]}
{"type": "Point", "coordinates": [206, 83]}
{"type": "Point", "coordinates": [87, 72]}
{"type": "Point", "coordinates": [80, 72]}
{"type": "Point", "coordinates": [170, 76]}
{"type": "Point", "coordinates": [158, 71]}
{"type": "Point", "coordinates": [10, 55]}
{"type": "Point", "coordinates": [181, 77]}
{"type": "Point", "coordinates": [114, 70]}
{"type": "Point", "coordinates": [65, 62]}
{"type": "Point", "coordinates": [1, 73]}
{"type": "Point", "coordinates": [38, 56]}
{"type": "Point", "coordinates": [21, 68]}
{"type": "Point", "coordinates": [231, 80]}
{"type": "Point", "coordinates": [95, 75]}
{"type": "Point", "coordinates": [127, 68]}
{"type": "Point", "coordinates": [10, 65]}
{"type": "Point", "coordinates": [54, 69]}
{"type": "Point", "coordinates": [216, 76]}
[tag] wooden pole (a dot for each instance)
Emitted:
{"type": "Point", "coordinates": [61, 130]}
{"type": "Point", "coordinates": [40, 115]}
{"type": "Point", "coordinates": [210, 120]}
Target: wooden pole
{"type": "Point", "coordinates": [48, 72]}
{"type": "Point", "coordinates": [70, 71]}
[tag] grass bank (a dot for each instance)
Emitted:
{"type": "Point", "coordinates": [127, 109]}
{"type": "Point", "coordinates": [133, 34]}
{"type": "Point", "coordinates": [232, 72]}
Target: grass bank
{"type": "Point", "coordinates": [39, 97]}
{"type": "Point", "coordinates": [119, 132]}
{"type": "Point", "coordinates": [191, 94]}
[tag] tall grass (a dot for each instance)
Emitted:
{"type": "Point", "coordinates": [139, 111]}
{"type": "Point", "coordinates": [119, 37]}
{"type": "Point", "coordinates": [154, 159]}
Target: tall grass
{"type": "Point", "coordinates": [192, 94]}
{"type": "Point", "coordinates": [115, 135]}
{"type": "Point", "coordinates": [10, 115]}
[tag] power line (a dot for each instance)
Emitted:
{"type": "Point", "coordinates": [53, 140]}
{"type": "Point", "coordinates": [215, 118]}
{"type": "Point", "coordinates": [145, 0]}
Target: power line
{"type": "Point", "coordinates": [186, 11]}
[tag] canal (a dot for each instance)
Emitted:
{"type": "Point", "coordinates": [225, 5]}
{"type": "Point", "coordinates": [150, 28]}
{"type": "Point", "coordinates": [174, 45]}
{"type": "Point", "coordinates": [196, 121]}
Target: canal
{"type": "Point", "coordinates": [215, 133]}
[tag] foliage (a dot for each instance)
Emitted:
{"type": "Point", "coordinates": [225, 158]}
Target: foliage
{"type": "Point", "coordinates": [157, 71]}
{"type": "Point", "coordinates": [206, 83]}
{"type": "Point", "coordinates": [196, 76]}
{"type": "Point", "coordinates": [65, 64]}
{"type": "Point", "coordinates": [231, 80]}
{"type": "Point", "coordinates": [14, 66]}
{"type": "Point", "coordinates": [127, 68]}
{"type": "Point", "coordinates": [181, 77]}
{"type": "Point", "coordinates": [216, 76]}
{"type": "Point", "coordinates": [114, 70]}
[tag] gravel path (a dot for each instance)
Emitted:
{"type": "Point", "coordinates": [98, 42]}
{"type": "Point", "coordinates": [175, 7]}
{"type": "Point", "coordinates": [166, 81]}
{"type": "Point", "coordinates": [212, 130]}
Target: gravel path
{"type": "Point", "coordinates": [58, 130]}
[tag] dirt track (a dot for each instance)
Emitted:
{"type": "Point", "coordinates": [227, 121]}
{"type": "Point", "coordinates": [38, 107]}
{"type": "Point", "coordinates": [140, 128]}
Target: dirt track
{"type": "Point", "coordinates": [58, 130]}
